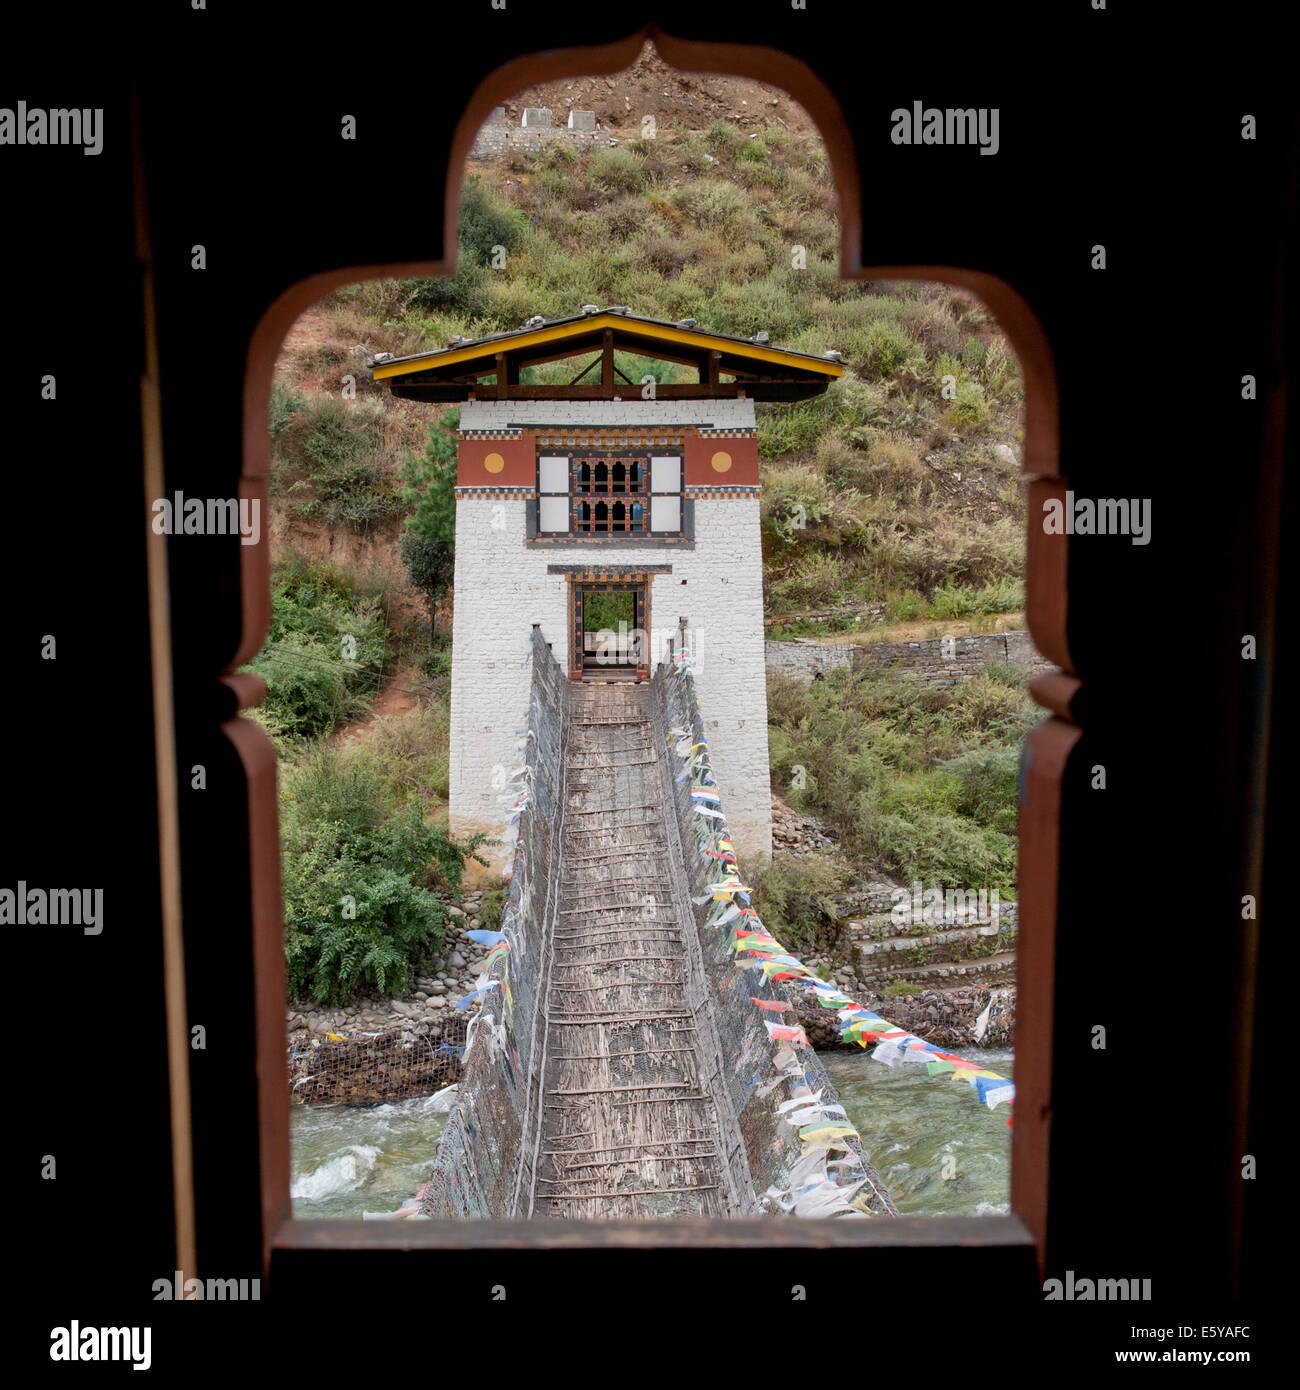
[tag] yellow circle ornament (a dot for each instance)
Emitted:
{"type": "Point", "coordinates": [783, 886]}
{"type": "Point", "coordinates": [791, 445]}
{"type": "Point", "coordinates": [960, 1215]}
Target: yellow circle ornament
{"type": "Point", "coordinates": [721, 462]}
{"type": "Point", "coordinates": [494, 463]}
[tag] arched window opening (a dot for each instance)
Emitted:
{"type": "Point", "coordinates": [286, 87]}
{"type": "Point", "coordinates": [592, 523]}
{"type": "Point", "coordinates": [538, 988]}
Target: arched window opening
{"type": "Point", "coordinates": [959, 334]}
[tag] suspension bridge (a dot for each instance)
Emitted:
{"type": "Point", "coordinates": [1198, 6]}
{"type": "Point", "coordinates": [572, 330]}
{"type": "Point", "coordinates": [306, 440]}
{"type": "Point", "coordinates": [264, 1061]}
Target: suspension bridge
{"type": "Point", "coordinates": [634, 1051]}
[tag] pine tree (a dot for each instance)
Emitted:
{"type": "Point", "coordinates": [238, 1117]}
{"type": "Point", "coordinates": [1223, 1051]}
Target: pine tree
{"type": "Point", "coordinates": [429, 541]}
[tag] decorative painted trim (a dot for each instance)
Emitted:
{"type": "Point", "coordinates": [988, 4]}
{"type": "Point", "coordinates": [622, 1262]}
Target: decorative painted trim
{"type": "Point", "coordinates": [589, 438]}
{"type": "Point", "coordinates": [727, 434]}
{"type": "Point", "coordinates": [716, 494]}
{"type": "Point", "coordinates": [467, 435]}
{"type": "Point", "coordinates": [607, 543]}
{"type": "Point", "coordinates": [586, 574]}
{"type": "Point", "coordinates": [485, 494]}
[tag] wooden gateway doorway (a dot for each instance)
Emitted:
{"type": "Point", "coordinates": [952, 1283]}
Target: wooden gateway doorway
{"type": "Point", "coordinates": [608, 629]}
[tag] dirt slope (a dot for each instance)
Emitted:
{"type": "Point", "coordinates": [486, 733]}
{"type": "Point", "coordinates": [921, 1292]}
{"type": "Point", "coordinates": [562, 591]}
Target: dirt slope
{"type": "Point", "coordinates": [650, 86]}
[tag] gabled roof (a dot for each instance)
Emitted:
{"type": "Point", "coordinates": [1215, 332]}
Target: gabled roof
{"type": "Point", "coordinates": [800, 373]}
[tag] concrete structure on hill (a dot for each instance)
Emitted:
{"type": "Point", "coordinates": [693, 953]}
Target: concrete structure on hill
{"type": "Point", "coordinates": [618, 511]}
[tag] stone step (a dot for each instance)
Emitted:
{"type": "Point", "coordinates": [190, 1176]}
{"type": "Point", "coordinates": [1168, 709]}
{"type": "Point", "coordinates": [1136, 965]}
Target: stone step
{"type": "Point", "coordinates": [985, 967]}
{"type": "Point", "coordinates": [881, 926]}
{"type": "Point", "coordinates": [935, 941]}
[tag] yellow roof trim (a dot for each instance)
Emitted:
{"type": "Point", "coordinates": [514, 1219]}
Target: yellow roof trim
{"type": "Point", "coordinates": [541, 336]}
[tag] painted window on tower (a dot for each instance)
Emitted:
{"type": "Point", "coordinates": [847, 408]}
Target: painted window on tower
{"type": "Point", "coordinates": [605, 493]}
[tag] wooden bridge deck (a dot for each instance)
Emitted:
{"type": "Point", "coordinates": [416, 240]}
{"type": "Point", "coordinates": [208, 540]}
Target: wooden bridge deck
{"type": "Point", "coordinates": [628, 1128]}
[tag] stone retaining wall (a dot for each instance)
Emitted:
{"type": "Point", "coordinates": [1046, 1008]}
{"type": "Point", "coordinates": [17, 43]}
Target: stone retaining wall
{"type": "Point", "coordinates": [496, 136]}
{"type": "Point", "coordinates": [938, 661]}
{"type": "Point", "coordinates": [947, 1018]}
{"type": "Point", "coordinates": [882, 952]}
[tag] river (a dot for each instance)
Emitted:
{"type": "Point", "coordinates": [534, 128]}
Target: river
{"type": "Point", "coordinates": [911, 1122]}
{"type": "Point", "coordinates": [349, 1159]}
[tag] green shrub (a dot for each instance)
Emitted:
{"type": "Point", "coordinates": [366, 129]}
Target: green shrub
{"type": "Point", "coordinates": [410, 751]}
{"type": "Point", "coordinates": [987, 779]}
{"type": "Point", "coordinates": [285, 404]}
{"type": "Point", "coordinates": [365, 885]}
{"type": "Point", "coordinates": [745, 308]}
{"type": "Point", "coordinates": [602, 612]}
{"type": "Point", "coordinates": [493, 903]}
{"type": "Point", "coordinates": [905, 606]}
{"type": "Point", "coordinates": [723, 138]}
{"type": "Point", "coordinates": [617, 170]}
{"type": "Point", "coordinates": [488, 221]}
{"type": "Point", "coordinates": [793, 896]}
{"type": "Point", "coordinates": [794, 498]}
{"type": "Point", "coordinates": [312, 683]}
{"type": "Point", "coordinates": [466, 293]}
{"type": "Point", "coordinates": [436, 661]}
{"type": "Point", "coordinates": [429, 486]}
{"type": "Point", "coordinates": [720, 207]}
{"type": "Point", "coordinates": [848, 404]}
{"type": "Point", "coordinates": [885, 350]}
{"type": "Point", "coordinates": [960, 601]}
{"type": "Point", "coordinates": [335, 446]}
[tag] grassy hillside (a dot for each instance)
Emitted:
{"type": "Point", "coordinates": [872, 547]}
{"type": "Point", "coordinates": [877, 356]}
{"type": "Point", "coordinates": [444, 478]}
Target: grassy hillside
{"type": "Point", "coordinates": [886, 491]}
{"type": "Point", "coordinates": [916, 782]}
{"type": "Point", "coordinates": [894, 498]}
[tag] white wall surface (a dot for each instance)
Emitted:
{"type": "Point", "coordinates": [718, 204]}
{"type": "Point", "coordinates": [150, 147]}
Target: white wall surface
{"type": "Point", "coordinates": [502, 589]}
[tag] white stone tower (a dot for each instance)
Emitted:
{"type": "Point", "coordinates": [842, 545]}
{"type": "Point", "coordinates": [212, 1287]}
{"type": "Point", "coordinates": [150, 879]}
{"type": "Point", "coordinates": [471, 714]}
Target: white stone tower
{"type": "Point", "coordinates": [569, 494]}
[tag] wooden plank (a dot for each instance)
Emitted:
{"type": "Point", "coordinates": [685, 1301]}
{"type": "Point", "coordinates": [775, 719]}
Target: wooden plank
{"type": "Point", "coordinates": [664, 1100]}
{"type": "Point", "coordinates": [708, 1233]}
{"type": "Point", "coordinates": [587, 1020]}
{"type": "Point", "coordinates": [613, 960]}
{"type": "Point", "coordinates": [619, 1090]}
{"type": "Point", "coordinates": [602, 1196]}
{"type": "Point", "coordinates": [601, 985]}
{"type": "Point", "coordinates": [645, 1158]}
{"type": "Point", "coordinates": [614, 1056]}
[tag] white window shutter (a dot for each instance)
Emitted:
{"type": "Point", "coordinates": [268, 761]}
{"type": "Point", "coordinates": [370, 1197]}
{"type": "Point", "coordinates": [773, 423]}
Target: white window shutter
{"type": "Point", "coordinates": [554, 514]}
{"type": "Point", "coordinates": [554, 474]}
{"type": "Point", "coordinates": [666, 513]}
{"type": "Point", "coordinates": [665, 476]}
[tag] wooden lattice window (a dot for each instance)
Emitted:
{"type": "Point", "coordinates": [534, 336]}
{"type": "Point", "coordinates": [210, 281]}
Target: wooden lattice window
{"type": "Point", "coordinates": [608, 495]}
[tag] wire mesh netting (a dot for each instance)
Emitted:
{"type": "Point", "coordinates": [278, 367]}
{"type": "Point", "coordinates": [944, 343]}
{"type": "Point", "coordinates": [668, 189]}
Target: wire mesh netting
{"type": "Point", "coordinates": [391, 1065]}
{"type": "Point", "coordinates": [483, 1164]}
{"type": "Point", "coordinates": [801, 1153]}
{"type": "Point", "coordinates": [618, 1066]}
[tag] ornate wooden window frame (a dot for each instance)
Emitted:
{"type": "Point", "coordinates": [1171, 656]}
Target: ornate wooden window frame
{"type": "Point", "coordinates": [638, 584]}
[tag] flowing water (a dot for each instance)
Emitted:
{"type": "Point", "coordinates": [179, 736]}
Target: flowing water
{"type": "Point", "coordinates": [916, 1129]}
{"type": "Point", "coordinates": [347, 1159]}
{"type": "Point", "coordinates": [350, 1159]}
